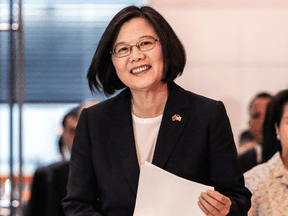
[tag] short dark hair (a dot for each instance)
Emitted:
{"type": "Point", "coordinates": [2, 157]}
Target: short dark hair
{"type": "Point", "coordinates": [256, 97]}
{"type": "Point", "coordinates": [101, 73]}
{"type": "Point", "coordinates": [273, 116]}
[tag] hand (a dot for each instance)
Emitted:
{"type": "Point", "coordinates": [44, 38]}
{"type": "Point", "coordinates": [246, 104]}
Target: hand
{"type": "Point", "coordinates": [214, 203]}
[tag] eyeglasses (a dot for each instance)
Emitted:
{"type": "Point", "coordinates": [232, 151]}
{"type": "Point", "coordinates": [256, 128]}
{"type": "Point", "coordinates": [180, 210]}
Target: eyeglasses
{"type": "Point", "coordinates": [123, 49]}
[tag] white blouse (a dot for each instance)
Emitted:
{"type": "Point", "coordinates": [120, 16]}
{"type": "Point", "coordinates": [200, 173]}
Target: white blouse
{"type": "Point", "coordinates": [146, 133]}
{"type": "Point", "coordinates": [268, 184]}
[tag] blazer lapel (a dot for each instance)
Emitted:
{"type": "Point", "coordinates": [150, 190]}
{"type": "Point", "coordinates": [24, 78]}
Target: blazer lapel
{"type": "Point", "coordinates": [170, 130]}
{"type": "Point", "coordinates": [120, 131]}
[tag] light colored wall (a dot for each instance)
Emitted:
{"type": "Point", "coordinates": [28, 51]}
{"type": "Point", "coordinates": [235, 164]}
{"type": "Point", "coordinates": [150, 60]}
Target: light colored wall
{"type": "Point", "coordinates": [235, 49]}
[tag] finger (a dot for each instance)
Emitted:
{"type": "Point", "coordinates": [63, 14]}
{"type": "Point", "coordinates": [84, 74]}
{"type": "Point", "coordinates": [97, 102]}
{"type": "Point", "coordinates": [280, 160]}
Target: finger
{"type": "Point", "coordinates": [212, 201]}
{"type": "Point", "coordinates": [209, 208]}
{"type": "Point", "coordinates": [220, 197]}
{"type": "Point", "coordinates": [203, 208]}
{"type": "Point", "coordinates": [218, 201]}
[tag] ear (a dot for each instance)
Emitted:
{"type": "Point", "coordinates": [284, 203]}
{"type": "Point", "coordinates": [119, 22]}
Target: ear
{"type": "Point", "coordinates": [277, 131]}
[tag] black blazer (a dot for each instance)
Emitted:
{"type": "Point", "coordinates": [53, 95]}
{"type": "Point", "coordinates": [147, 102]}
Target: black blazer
{"type": "Point", "coordinates": [104, 169]}
{"type": "Point", "coordinates": [48, 189]}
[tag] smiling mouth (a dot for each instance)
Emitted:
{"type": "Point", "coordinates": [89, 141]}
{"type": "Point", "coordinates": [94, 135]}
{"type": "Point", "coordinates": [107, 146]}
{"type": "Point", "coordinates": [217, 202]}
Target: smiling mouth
{"type": "Point", "coordinates": [140, 69]}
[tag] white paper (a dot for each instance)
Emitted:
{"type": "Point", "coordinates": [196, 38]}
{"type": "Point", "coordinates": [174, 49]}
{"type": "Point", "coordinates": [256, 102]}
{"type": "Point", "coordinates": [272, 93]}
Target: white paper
{"type": "Point", "coordinates": [161, 193]}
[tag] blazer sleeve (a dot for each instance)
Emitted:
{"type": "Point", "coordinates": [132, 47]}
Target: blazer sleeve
{"type": "Point", "coordinates": [225, 169]}
{"type": "Point", "coordinates": [82, 198]}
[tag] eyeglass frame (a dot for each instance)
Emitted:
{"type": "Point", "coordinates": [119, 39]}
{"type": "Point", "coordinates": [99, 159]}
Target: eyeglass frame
{"type": "Point", "coordinates": [137, 45]}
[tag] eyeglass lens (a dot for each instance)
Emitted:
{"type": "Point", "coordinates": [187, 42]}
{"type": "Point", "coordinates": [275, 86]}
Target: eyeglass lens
{"type": "Point", "coordinates": [144, 45]}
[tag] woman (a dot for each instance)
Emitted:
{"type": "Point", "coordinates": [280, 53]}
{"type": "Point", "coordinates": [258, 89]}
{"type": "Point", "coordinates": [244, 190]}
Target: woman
{"type": "Point", "coordinates": [268, 182]}
{"type": "Point", "coordinates": [152, 119]}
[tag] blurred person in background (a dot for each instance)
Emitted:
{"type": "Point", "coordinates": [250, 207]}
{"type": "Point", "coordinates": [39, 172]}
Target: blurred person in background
{"type": "Point", "coordinates": [49, 182]}
{"type": "Point", "coordinates": [268, 182]}
{"type": "Point", "coordinates": [250, 153]}
{"type": "Point", "coordinates": [246, 139]}
{"type": "Point", "coordinates": [68, 127]}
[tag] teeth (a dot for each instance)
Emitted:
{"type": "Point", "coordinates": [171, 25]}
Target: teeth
{"type": "Point", "coordinates": [140, 69]}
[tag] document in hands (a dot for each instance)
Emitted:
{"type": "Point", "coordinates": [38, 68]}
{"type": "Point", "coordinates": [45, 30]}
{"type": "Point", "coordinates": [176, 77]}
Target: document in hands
{"type": "Point", "coordinates": [161, 193]}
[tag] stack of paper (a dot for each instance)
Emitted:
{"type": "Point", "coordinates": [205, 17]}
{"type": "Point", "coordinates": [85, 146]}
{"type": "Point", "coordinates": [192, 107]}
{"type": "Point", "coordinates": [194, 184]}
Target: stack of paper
{"type": "Point", "coordinates": [161, 193]}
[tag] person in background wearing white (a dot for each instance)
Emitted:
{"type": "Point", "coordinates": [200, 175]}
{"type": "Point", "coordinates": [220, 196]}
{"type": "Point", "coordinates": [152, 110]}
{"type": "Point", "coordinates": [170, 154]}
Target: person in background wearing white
{"type": "Point", "coordinates": [268, 182]}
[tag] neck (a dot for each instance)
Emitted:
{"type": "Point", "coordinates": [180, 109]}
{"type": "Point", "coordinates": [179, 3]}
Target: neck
{"type": "Point", "coordinates": [151, 103]}
{"type": "Point", "coordinates": [284, 158]}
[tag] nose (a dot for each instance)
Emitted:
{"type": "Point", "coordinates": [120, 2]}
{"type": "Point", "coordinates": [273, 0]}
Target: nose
{"type": "Point", "coordinates": [136, 54]}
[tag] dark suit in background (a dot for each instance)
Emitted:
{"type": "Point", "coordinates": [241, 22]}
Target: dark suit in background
{"type": "Point", "coordinates": [248, 160]}
{"type": "Point", "coordinates": [48, 189]}
{"type": "Point", "coordinates": [104, 169]}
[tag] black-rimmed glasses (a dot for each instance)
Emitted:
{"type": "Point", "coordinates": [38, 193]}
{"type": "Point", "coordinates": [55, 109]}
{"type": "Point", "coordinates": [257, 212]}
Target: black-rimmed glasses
{"type": "Point", "coordinates": [123, 49]}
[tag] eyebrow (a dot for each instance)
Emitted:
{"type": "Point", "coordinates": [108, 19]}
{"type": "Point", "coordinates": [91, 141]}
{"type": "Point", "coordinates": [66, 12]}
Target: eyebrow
{"type": "Point", "coordinates": [144, 36]}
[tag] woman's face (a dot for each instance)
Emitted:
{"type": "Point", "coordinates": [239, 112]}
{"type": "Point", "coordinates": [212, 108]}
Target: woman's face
{"type": "Point", "coordinates": [283, 132]}
{"type": "Point", "coordinates": [139, 70]}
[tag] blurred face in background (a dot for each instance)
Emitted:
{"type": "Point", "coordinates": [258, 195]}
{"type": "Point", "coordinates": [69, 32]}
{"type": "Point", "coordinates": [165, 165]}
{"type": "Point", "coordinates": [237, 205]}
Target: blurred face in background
{"type": "Point", "coordinates": [257, 114]}
{"type": "Point", "coordinates": [282, 132]}
{"type": "Point", "coordinates": [69, 131]}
